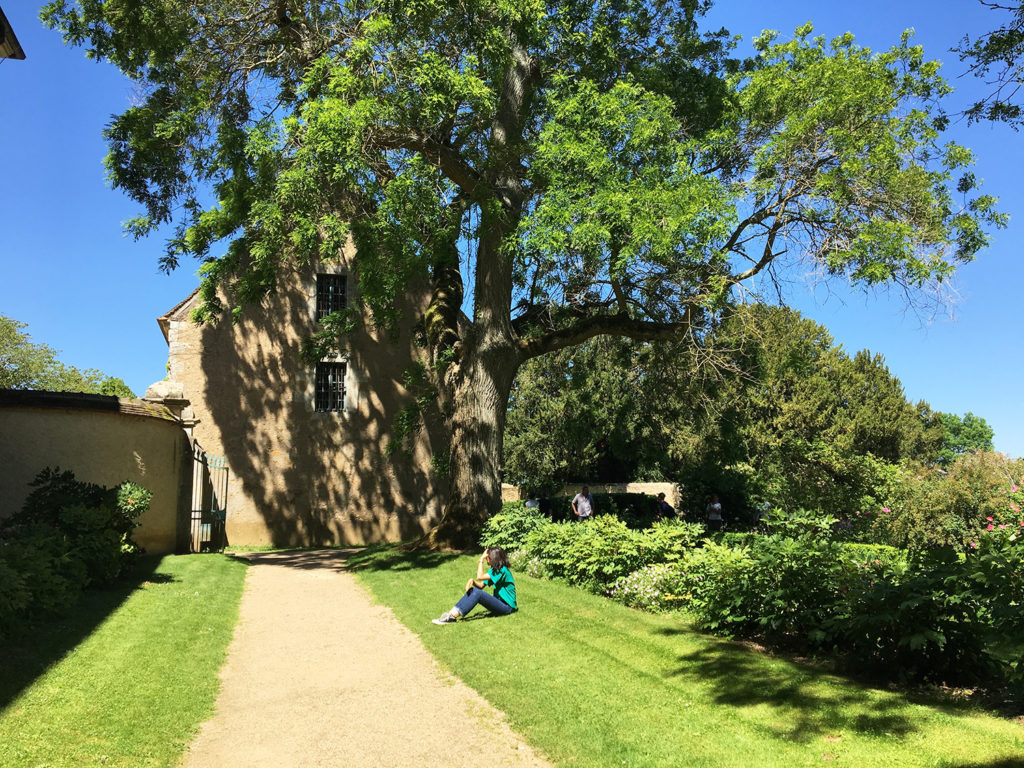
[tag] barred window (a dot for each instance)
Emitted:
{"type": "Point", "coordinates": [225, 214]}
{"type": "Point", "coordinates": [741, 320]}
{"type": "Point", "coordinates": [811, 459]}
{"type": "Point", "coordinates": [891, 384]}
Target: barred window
{"type": "Point", "coordinates": [330, 387]}
{"type": "Point", "coordinates": [330, 294]}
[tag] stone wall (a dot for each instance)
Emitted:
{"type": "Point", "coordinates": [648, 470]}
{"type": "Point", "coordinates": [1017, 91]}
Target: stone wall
{"type": "Point", "coordinates": [671, 490]}
{"type": "Point", "coordinates": [103, 440]}
{"type": "Point", "coordinates": [296, 476]}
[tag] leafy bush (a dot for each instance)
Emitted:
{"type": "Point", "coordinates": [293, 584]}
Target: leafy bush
{"type": "Point", "coordinates": [927, 624]}
{"type": "Point", "coordinates": [522, 561]}
{"type": "Point", "coordinates": [68, 534]}
{"type": "Point", "coordinates": [509, 528]}
{"type": "Point", "coordinates": [596, 553]}
{"type": "Point", "coordinates": [933, 507]}
{"type": "Point", "coordinates": [934, 615]}
{"type": "Point", "coordinates": [675, 536]}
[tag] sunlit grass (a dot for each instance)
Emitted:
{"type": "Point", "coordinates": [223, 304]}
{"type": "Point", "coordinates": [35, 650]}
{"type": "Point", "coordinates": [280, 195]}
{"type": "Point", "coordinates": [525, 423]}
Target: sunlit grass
{"type": "Point", "coordinates": [592, 683]}
{"type": "Point", "coordinates": [126, 676]}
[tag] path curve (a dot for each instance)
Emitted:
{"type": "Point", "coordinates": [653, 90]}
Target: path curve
{"type": "Point", "coordinates": [317, 675]}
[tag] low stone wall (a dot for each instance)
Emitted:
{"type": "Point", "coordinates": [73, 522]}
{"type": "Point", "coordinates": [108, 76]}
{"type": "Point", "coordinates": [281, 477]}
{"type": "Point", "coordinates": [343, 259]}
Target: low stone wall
{"type": "Point", "coordinates": [103, 440]}
{"type": "Point", "coordinates": [671, 490]}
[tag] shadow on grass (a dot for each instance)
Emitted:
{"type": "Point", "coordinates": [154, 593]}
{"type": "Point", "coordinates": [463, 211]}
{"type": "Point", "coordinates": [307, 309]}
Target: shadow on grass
{"type": "Point", "coordinates": [25, 657]}
{"type": "Point", "coordinates": [387, 557]}
{"type": "Point", "coordinates": [808, 707]}
{"type": "Point", "coordinates": [1007, 762]}
{"type": "Point", "coordinates": [378, 557]}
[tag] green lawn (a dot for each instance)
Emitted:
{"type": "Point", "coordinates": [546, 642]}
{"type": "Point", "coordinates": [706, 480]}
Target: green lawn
{"type": "Point", "coordinates": [126, 676]}
{"type": "Point", "coordinates": [592, 683]}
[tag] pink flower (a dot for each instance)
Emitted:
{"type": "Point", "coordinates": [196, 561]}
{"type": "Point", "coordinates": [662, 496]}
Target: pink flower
{"type": "Point", "coordinates": [989, 519]}
{"type": "Point", "coordinates": [1014, 489]}
{"type": "Point", "coordinates": [1015, 508]}
{"type": "Point", "coordinates": [990, 527]}
{"type": "Point", "coordinates": [885, 510]}
{"type": "Point", "coordinates": [974, 544]}
{"type": "Point", "coordinates": [1001, 527]}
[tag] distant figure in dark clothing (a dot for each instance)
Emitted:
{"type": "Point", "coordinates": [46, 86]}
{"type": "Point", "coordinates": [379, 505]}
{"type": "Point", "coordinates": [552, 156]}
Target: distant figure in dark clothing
{"type": "Point", "coordinates": [665, 510]}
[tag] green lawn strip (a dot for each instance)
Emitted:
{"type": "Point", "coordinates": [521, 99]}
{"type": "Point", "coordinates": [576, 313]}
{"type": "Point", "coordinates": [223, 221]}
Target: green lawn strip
{"type": "Point", "coordinates": [133, 690]}
{"type": "Point", "coordinates": [593, 683]}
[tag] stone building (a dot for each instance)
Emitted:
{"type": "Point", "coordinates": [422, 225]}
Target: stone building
{"type": "Point", "coordinates": [306, 446]}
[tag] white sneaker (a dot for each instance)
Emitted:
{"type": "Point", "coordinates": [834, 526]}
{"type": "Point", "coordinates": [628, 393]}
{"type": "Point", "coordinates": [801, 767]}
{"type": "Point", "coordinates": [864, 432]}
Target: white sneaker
{"type": "Point", "coordinates": [444, 618]}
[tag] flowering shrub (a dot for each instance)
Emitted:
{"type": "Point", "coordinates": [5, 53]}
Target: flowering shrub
{"type": "Point", "coordinates": [995, 566]}
{"type": "Point", "coordinates": [931, 507]}
{"type": "Point", "coordinates": [522, 561]}
{"type": "Point", "coordinates": [654, 588]}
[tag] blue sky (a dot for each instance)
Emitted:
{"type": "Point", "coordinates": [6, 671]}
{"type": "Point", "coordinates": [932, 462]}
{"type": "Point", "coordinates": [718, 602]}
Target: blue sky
{"type": "Point", "coordinates": [86, 289]}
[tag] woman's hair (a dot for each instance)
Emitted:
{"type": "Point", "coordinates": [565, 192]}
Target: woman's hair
{"type": "Point", "coordinates": [497, 558]}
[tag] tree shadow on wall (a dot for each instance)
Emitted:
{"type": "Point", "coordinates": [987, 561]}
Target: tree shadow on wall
{"type": "Point", "coordinates": [25, 657]}
{"type": "Point", "coordinates": [315, 479]}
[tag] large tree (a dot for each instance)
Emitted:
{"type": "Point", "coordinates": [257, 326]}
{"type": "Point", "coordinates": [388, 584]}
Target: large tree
{"type": "Point", "coordinates": [997, 57]}
{"type": "Point", "coordinates": [551, 171]}
{"type": "Point", "coordinates": [25, 364]}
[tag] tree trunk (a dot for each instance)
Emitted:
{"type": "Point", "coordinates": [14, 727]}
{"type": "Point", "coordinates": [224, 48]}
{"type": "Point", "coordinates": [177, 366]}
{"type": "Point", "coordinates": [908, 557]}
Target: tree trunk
{"type": "Point", "coordinates": [478, 430]}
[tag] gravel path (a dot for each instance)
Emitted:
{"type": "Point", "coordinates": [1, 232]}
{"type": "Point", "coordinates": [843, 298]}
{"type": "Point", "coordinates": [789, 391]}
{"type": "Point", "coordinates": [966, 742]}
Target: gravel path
{"type": "Point", "coordinates": [316, 675]}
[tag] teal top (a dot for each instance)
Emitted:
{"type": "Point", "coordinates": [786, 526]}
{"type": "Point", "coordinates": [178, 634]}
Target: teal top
{"type": "Point", "coordinates": [504, 586]}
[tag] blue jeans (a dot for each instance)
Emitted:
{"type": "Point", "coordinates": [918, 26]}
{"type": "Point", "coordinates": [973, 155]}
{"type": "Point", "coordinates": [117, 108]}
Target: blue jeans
{"type": "Point", "coordinates": [476, 596]}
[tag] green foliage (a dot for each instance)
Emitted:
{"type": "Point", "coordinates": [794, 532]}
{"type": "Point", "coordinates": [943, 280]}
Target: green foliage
{"type": "Point", "coordinates": [787, 418]}
{"type": "Point", "coordinates": [964, 434]}
{"type": "Point", "coordinates": [572, 169]}
{"type": "Point", "coordinates": [655, 588]}
{"type": "Point", "coordinates": [654, 692]}
{"type": "Point", "coordinates": [509, 528]}
{"type": "Point", "coordinates": [608, 410]}
{"type": "Point", "coordinates": [936, 615]}
{"type": "Point", "coordinates": [27, 365]}
{"type": "Point", "coordinates": [593, 554]}
{"type": "Point", "coordinates": [929, 624]}
{"type": "Point", "coordinates": [596, 553]}
{"type": "Point", "coordinates": [68, 535]}
{"type": "Point", "coordinates": [998, 58]}
{"type": "Point", "coordinates": [933, 507]}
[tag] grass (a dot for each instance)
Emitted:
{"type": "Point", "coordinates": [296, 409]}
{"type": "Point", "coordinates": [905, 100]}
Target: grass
{"type": "Point", "coordinates": [592, 683]}
{"type": "Point", "coordinates": [125, 677]}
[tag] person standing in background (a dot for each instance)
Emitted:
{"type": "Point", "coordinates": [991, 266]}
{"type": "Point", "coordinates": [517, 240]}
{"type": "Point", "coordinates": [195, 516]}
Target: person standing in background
{"type": "Point", "coordinates": [582, 504]}
{"type": "Point", "coordinates": [715, 521]}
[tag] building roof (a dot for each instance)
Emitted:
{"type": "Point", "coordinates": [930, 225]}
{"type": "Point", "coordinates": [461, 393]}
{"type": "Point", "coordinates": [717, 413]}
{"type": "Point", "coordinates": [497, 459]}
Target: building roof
{"type": "Point", "coordinates": [10, 48]}
{"type": "Point", "coordinates": [177, 312]}
{"type": "Point", "coordinates": [35, 398]}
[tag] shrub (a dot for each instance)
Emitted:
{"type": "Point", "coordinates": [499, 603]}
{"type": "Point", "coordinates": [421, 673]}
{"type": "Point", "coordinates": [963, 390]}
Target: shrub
{"type": "Point", "coordinates": [936, 508]}
{"type": "Point", "coordinates": [68, 534]}
{"type": "Point", "coordinates": [656, 588]}
{"type": "Point", "coordinates": [926, 624]}
{"type": "Point", "coordinates": [522, 561]}
{"type": "Point", "coordinates": [674, 537]}
{"type": "Point", "coordinates": [509, 528]}
{"type": "Point", "coordinates": [596, 553]}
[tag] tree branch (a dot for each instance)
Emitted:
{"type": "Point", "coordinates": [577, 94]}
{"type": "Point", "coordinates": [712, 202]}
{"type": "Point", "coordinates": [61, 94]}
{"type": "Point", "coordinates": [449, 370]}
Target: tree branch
{"type": "Point", "coordinates": [608, 325]}
{"type": "Point", "coordinates": [444, 157]}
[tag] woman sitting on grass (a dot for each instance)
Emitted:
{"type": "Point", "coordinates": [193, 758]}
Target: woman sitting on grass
{"type": "Point", "coordinates": [502, 602]}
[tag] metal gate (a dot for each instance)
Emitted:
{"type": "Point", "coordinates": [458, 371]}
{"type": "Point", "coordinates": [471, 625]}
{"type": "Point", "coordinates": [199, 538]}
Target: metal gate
{"type": "Point", "coordinates": [209, 501]}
